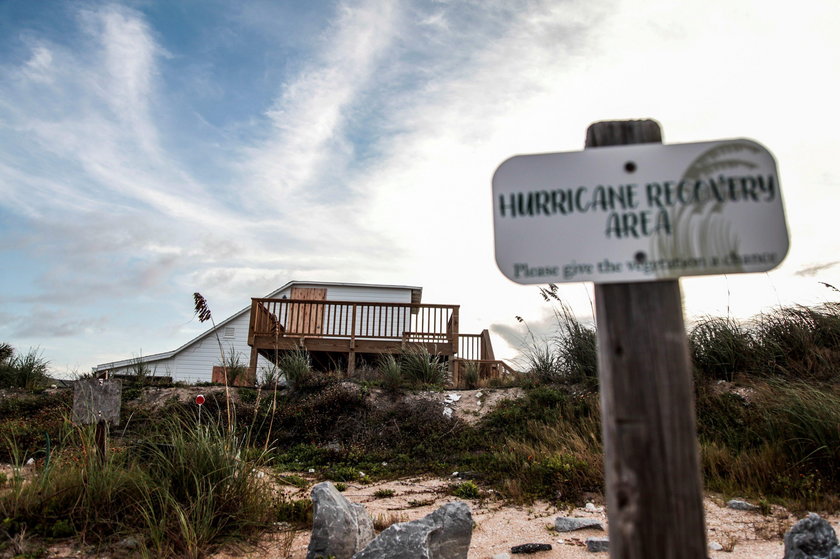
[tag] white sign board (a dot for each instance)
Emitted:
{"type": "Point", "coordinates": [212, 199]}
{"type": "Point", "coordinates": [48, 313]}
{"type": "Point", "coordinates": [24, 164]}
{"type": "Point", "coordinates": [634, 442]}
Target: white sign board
{"type": "Point", "coordinates": [639, 213]}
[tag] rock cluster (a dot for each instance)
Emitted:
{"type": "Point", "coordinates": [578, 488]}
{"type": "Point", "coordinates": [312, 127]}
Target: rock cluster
{"type": "Point", "coordinates": [339, 528]}
{"type": "Point", "coordinates": [344, 530]}
{"type": "Point", "coordinates": [444, 534]}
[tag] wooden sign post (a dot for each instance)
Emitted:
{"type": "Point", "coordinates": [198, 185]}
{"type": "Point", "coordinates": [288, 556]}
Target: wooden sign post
{"type": "Point", "coordinates": [653, 484]}
{"type": "Point", "coordinates": [98, 402]}
{"type": "Point", "coordinates": [634, 215]}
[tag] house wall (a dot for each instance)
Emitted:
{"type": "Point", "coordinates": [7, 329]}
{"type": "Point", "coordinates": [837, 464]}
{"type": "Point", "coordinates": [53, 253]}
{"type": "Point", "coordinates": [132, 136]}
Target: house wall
{"type": "Point", "coordinates": [195, 362]}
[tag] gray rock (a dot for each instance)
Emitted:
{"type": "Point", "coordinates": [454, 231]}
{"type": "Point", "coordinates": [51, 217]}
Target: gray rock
{"type": "Point", "coordinates": [738, 504]}
{"type": "Point", "coordinates": [128, 543]}
{"type": "Point", "coordinates": [811, 538]}
{"type": "Point", "coordinates": [530, 548]}
{"type": "Point", "coordinates": [501, 556]}
{"type": "Point", "coordinates": [570, 524]}
{"type": "Point", "coordinates": [715, 546]}
{"type": "Point", "coordinates": [339, 528]}
{"type": "Point", "coordinates": [443, 534]}
{"type": "Point", "coordinates": [597, 544]}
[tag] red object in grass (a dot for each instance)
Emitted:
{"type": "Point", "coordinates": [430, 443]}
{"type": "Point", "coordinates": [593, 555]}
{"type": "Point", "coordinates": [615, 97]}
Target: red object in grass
{"type": "Point", "coordinates": [199, 399]}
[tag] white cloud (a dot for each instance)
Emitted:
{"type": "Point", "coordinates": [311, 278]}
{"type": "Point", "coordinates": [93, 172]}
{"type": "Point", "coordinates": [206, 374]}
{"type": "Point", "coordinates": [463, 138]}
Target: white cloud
{"type": "Point", "coordinates": [39, 67]}
{"type": "Point", "coordinates": [308, 118]}
{"type": "Point", "coordinates": [128, 69]}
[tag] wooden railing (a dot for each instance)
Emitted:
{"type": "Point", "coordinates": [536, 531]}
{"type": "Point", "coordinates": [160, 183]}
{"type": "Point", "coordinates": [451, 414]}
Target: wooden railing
{"type": "Point", "coordinates": [469, 346]}
{"type": "Point", "coordinates": [476, 347]}
{"type": "Point", "coordinates": [355, 320]}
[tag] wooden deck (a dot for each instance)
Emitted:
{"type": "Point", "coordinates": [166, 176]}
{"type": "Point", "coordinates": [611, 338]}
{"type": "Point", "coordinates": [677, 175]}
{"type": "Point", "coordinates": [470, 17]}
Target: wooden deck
{"type": "Point", "coordinates": [352, 328]}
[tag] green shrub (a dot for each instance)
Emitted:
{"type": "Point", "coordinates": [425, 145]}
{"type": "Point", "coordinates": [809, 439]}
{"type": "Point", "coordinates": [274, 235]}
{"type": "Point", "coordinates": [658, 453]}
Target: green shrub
{"type": "Point", "coordinates": [545, 445]}
{"type": "Point", "coordinates": [62, 529]}
{"type": "Point", "coordinates": [343, 473]}
{"type": "Point", "coordinates": [296, 511]}
{"type": "Point", "coordinates": [247, 395]}
{"type": "Point", "coordinates": [792, 342]}
{"type": "Point", "coordinates": [300, 457]}
{"type": "Point", "coordinates": [293, 480]}
{"type": "Point", "coordinates": [466, 490]}
{"type": "Point", "coordinates": [28, 419]}
{"type": "Point", "coordinates": [140, 371]}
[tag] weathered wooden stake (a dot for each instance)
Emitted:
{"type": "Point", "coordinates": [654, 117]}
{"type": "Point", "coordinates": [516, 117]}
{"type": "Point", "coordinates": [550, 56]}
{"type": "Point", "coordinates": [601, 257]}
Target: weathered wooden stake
{"type": "Point", "coordinates": [653, 485]}
{"type": "Point", "coordinates": [101, 440]}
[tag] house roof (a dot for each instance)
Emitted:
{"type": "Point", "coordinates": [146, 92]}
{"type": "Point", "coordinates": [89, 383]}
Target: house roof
{"type": "Point", "coordinates": [416, 295]}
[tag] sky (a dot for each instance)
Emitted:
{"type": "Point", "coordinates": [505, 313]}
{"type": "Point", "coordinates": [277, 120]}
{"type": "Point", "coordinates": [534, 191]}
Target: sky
{"type": "Point", "coordinates": [152, 149]}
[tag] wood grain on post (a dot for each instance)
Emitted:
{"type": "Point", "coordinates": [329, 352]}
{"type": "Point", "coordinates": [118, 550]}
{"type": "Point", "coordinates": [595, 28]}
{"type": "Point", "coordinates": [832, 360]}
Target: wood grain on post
{"type": "Point", "coordinates": [653, 484]}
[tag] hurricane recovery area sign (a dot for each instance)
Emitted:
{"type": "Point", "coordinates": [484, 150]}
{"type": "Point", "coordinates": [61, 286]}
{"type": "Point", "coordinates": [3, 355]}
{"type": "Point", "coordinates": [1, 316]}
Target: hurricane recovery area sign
{"type": "Point", "coordinates": [640, 212]}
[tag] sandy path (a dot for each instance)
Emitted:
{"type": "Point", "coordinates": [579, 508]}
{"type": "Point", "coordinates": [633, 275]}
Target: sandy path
{"type": "Point", "coordinates": [498, 527]}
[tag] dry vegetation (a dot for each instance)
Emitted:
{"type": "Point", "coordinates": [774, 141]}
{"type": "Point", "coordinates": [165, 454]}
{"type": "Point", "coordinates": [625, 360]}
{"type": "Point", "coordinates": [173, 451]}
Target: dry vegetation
{"type": "Point", "coordinates": [767, 400]}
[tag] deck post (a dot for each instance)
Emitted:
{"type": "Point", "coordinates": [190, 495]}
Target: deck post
{"type": "Point", "coordinates": [351, 363]}
{"type": "Point", "coordinates": [454, 329]}
{"type": "Point", "coordinates": [252, 321]}
{"type": "Point", "coordinates": [351, 355]}
{"type": "Point", "coordinates": [253, 362]}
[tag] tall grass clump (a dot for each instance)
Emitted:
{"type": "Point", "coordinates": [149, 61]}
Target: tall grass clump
{"type": "Point", "coordinates": [570, 356]}
{"type": "Point", "coordinates": [797, 343]}
{"type": "Point", "coordinates": [576, 348]}
{"type": "Point", "coordinates": [541, 361]}
{"type": "Point", "coordinates": [779, 439]}
{"type": "Point", "coordinates": [27, 371]}
{"type": "Point", "coordinates": [420, 367]}
{"type": "Point", "coordinates": [472, 375]}
{"type": "Point", "coordinates": [232, 362]}
{"type": "Point", "coordinates": [180, 495]}
{"type": "Point", "coordinates": [207, 491]}
{"type": "Point", "coordinates": [800, 342]}
{"type": "Point", "coordinates": [721, 348]}
{"type": "Point", "coordinates": [296, 366]}
{"type": "Point", "coordinates": [390, 373]}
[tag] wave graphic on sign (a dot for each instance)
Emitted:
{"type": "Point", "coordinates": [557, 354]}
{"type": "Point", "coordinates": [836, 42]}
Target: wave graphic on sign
{"type": "Point", "coordinates": [700, 230]}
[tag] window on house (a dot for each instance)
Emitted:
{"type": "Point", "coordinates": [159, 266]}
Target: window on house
{"type": "Point", "coordinates": [230, 332]}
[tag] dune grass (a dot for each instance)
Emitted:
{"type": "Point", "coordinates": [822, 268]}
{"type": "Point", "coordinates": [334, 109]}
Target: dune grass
{"type": "Point", "coordinates": [180, 494]}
